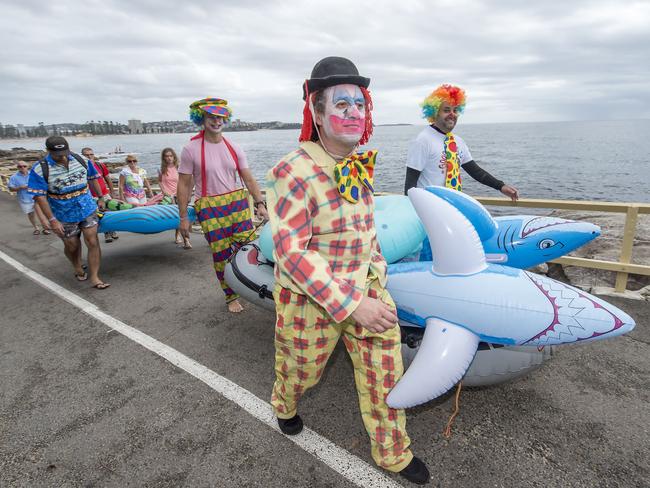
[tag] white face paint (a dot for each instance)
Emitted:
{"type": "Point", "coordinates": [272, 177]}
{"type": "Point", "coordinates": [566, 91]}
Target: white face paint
{"type": "Point", "coordinates": [345, 114]}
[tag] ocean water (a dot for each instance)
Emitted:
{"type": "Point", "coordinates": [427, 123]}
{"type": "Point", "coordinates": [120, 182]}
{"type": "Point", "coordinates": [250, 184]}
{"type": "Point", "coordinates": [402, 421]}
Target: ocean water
{"type": "Point", "coordinates": [598, 160]}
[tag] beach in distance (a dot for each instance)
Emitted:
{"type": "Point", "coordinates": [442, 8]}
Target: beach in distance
{"type": "Point", "coordinates": [586, 160]}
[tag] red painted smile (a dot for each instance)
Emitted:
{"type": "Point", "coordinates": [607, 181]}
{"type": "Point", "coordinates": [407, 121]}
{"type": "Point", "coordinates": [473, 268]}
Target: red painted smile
{"type": "Point", "coordinates": [346, 126]}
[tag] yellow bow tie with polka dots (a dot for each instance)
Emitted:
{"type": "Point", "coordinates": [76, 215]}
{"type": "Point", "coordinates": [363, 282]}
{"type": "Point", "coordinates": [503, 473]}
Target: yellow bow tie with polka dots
{"type": "Point", "coordinates": [353, 172]}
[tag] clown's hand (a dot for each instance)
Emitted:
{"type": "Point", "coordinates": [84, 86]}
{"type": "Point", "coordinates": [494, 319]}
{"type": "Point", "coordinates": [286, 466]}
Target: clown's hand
{"type": "Point", "coordinates": [511, 192]}
{"type": "Point", "coordinates": [374, 315]}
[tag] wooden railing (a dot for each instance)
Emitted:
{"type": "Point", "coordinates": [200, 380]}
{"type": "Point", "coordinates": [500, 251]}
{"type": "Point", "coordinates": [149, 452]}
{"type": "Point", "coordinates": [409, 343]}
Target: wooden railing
{"type": "Point", "coordinates": [624, 265]}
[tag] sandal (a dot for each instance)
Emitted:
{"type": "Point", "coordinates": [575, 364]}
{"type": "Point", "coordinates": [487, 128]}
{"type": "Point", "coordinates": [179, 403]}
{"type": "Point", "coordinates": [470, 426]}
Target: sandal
{"type": "Point", "coordinates": [83, 276]}
{"type": "Point", "coordinates": [36, 232]}
{"type": "Point", "coordinates": [101, 285]}
{"type": "Point", "coordinates": [187, 245]}
{"type": "Point", "coordinates": [47, 232]}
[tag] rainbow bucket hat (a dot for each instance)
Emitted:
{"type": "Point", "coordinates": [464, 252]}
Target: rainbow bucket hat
{"type": "Point", "coordinates": [214, 106]}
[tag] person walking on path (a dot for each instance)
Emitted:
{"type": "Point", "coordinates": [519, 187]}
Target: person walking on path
{"type": "Point", "coordinates": [168, 180]}
{"type": "Point", "coordinates": [133, 183]}
{"type": "Point", "coordinates": [59, 184]}
{"type": "Point", "coordinates": [19, 183]}
{"type": "Point", "coordinates": [436, 155]}
{"type": "Point", "coordinates": [105, 184]}
{"type": "Point", "coordinates": [330, 275]}
{"type": "Point", "coordinates": [221, 203]}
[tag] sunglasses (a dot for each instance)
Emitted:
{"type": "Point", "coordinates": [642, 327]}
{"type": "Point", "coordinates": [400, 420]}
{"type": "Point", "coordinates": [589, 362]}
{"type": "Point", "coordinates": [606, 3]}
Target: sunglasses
{"type": "Point", "coordinates": [131, 160]}
{"type": "Point", "coordinates": [22, 166]}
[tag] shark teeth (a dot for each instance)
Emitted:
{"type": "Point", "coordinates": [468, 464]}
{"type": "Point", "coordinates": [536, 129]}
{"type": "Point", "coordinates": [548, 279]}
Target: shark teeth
{"type": "Point", "coordinates": [538, 223]}
{"type": "Point", "coordinates": [568, 304]}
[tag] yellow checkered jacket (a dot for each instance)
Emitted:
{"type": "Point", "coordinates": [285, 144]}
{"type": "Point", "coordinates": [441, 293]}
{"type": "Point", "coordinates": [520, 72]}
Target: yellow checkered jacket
{"type": "Point", "coordinates": [325, 246]}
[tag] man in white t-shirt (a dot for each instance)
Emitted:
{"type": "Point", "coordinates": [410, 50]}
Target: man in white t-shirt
{"type": "Point", "coordinates": [215, 164]}
{"type": "Point", "coordinates": [436, 155]}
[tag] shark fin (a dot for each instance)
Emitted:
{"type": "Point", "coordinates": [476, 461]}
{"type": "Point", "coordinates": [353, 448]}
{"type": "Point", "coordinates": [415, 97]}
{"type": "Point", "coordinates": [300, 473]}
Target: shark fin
{"type": "Point", "coordinates": [455, 244]}
{"type": "Point", "coordinates": [445, 354]}
{"type": "Point", "coordinates": [485, 225]}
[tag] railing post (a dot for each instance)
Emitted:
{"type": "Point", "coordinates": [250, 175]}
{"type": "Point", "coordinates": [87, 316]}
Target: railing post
{"type": "Point", "coordinates": [626, 248]}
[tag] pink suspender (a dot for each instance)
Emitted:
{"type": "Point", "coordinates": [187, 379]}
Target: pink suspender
{"type": "Point", "coordinates": [203, 177]}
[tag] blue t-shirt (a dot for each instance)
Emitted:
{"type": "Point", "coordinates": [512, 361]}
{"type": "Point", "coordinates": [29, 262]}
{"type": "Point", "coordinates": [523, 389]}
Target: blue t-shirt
{"type": "Point", "coordinates": [66, 189]}
{"type": "Point", "coordinates": [20, 179]}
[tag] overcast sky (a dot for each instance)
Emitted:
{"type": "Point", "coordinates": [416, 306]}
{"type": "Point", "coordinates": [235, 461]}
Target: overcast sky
{"type": "Point", "coordinates": [73, 61]}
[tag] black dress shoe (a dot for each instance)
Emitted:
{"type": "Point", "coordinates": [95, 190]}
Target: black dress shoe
{"type": "Point", "coordinates": [416, 472]}
{"type": "Point", "coordinates": [291, 426]}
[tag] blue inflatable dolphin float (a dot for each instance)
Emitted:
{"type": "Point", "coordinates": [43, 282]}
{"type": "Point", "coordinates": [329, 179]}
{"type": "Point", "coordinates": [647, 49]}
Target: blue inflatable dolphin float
{"type": "Point", "coordinates": [144, 220]}
{"type": "Point", "coordinates": [520, 241]}
{"type": "Point", "coordinates": [462, 299]}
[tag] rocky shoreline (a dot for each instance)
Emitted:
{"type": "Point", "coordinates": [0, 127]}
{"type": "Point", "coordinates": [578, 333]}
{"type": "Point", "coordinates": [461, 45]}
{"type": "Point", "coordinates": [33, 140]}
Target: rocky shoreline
{"type": "Point", "coordinates": [8, 162]}
{"type": "Point", "coordinates": [606, 247]}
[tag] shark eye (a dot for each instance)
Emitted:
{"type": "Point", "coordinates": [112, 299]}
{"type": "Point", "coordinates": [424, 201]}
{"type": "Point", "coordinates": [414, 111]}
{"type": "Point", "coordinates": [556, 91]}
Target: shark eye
{"type": "Point", "coordinates": [546, 243]}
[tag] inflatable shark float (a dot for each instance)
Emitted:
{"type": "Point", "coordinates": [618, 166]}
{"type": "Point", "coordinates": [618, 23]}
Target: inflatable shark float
{"type": "Point", "coordinates": [461, 299]}
{"type": "Point", "coordinates": [520, 241]}
{"type": "Point", "coordinates": [250, 273]}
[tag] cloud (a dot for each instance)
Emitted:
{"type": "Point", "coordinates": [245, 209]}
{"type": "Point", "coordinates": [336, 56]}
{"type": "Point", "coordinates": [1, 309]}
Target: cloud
{"type": "Point", "coordinates": [118, 59]}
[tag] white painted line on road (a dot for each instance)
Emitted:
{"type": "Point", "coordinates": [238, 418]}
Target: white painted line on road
{"type": "Point", "coordinates": [346, 464]}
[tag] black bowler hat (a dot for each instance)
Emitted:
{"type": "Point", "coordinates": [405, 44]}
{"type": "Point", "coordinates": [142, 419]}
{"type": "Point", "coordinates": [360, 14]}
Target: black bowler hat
{"type": "Point", "coordinates": [56, 144]}
{"type": "Point", "coordinates": [331, 71]}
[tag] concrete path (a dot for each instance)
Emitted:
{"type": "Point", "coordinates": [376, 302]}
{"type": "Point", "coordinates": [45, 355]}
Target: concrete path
{"type": "Point", "coordinates": [83, 405]}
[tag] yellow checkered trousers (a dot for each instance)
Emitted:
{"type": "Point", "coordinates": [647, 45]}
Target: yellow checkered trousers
{"type": "Point", "coordinates": [305, 337]}
{"type": "Point", "coordinates": [226, 221]}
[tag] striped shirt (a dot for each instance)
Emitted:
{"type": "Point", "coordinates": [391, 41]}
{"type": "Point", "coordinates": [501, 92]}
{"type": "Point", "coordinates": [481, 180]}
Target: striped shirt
{"type": "Point", "coordinates": [66, 188]}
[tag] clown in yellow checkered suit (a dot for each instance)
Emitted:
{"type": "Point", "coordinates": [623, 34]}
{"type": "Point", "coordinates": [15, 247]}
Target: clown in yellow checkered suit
{"type": "Point", "coordinates": [330, 275]}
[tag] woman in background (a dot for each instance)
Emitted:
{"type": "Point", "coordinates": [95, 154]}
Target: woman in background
{"type": "Point", "coordinates": [18, 183]}
{"type": "Point", "coordinates": [168, 179]}
{"type": "Point", "coordinates": [133, 181]}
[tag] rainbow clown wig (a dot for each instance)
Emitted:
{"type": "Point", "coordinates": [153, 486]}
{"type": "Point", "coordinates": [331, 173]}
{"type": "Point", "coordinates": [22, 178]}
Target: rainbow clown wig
{"type": "Point", "coordinates": [214, 106]}
{"type": "Point", "coordinates": [451, 94]}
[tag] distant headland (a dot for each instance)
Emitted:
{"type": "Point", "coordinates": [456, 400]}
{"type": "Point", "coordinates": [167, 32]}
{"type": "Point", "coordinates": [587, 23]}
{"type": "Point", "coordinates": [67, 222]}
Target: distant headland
{"type": "Point", "coordinates": [134, 126]}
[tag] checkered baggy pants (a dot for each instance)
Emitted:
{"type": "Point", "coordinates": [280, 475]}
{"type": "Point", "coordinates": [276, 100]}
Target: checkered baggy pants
{"type": "Point", "coordinates": [225, 220]}
{"type": "Point", "coordinates": [305, 337]}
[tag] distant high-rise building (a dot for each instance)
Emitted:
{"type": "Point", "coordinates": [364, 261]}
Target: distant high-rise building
{"type": "Point", "coordinates": [135, 126]}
